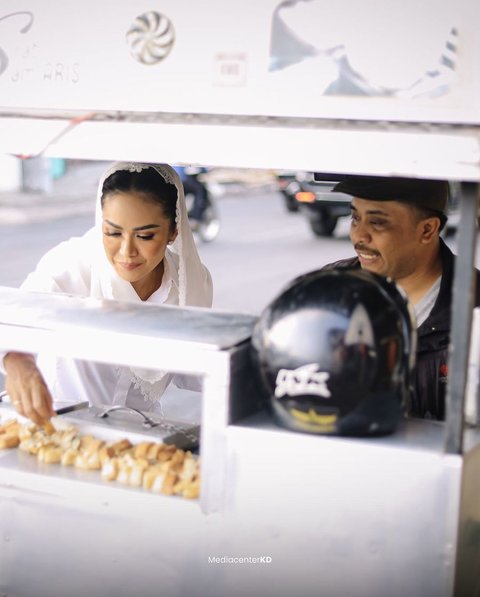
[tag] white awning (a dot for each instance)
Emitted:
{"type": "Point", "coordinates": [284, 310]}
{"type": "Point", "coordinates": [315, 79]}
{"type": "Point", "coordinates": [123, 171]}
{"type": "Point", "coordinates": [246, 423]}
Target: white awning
{"type": "Point", "coordinates": [328, 146]}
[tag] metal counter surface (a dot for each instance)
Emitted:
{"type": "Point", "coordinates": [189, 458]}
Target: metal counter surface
{"type": "Point", "coordinates": [188, 340]}
{"type": "Point", "coordinates": [411, 434]}
{"type": "Point", "coordinates": [206, 328]}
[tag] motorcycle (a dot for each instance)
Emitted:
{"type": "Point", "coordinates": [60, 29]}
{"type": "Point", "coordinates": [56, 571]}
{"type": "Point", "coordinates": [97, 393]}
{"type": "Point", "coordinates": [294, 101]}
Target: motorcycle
{"type": "Point", "coordinates": [206, 223]}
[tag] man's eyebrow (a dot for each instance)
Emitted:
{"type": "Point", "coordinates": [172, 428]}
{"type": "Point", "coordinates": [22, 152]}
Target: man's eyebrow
{"type": "Point", "coordinates": [146, 227]}
{"type": "Point", "coordinates": [374, 212]}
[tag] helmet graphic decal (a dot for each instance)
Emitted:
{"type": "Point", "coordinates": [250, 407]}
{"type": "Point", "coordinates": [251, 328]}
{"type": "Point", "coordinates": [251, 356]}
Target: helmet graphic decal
{"type": "Point", "coordinates": [360, 329]}
{"type": "Point", "coordinates": [304, 380]}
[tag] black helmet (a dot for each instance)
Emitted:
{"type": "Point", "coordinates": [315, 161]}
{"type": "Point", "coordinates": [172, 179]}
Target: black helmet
{"type": "Point", "coordinates": [336, 351]}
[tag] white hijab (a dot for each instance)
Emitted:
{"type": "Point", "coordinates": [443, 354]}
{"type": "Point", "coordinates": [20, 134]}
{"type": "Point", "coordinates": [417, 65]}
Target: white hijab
{"type": "Point", "coordinates": [193, 278]}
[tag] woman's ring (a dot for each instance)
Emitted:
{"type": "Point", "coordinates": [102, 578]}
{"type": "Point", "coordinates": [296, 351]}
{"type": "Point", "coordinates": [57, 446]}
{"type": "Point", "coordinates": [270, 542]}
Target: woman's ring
{"type": "Point", "coordinates": [16, 402]}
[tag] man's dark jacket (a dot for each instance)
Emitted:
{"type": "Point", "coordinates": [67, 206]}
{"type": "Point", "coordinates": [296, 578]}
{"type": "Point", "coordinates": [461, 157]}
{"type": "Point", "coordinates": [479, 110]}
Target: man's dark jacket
{"type": "Point", "coordinates": [433, 337]}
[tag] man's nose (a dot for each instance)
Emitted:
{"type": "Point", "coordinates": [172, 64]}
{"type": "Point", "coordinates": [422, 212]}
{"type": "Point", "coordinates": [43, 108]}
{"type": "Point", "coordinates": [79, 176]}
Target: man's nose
{"type": "Point", "coordinates": [359, 232]}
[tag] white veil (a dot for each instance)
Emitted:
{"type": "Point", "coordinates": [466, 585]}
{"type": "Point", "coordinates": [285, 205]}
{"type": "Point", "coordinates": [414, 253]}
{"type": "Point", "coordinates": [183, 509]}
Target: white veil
{"type": "Point", "coordinates": [194, 280]}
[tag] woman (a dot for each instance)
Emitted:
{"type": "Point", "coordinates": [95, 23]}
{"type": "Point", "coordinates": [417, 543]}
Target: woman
{"type": "Point", "coordinates": [140, 249]}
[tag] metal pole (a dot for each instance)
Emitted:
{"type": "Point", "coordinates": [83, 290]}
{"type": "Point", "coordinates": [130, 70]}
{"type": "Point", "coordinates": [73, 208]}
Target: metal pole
{"type": "Point", "coordinates": [463, 294]}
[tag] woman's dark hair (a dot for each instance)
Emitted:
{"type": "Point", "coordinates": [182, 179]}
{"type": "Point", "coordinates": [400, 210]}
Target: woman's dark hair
{"type": "Point", "coordinates": [147, 181]}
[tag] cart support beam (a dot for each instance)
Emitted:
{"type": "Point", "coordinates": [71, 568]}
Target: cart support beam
{"type": "Point", "coordinates": [462, 306]}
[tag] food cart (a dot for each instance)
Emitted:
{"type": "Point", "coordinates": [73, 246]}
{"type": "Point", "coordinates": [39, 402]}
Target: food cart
{"type": "Point", "coordinates": [246, 85]}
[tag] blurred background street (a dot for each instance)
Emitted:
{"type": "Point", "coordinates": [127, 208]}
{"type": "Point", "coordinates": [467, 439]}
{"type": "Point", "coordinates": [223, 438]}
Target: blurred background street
{"type": "Point", "coordinates": [261, 245]}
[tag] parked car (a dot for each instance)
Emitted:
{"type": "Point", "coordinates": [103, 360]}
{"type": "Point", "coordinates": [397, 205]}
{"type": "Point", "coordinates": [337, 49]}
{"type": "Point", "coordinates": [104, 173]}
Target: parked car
{"type": "Point", "coordinates": [322, 206]}
{"type": "Point", "coordinates": [288, 184]}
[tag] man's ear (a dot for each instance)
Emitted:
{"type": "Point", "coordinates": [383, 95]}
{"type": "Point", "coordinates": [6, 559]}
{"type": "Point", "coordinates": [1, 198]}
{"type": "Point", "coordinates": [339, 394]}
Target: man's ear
{"type": "Point", "coordinates": [429, 229]}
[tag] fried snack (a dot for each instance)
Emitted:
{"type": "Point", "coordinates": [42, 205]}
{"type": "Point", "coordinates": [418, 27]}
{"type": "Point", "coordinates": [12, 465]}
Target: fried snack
{"type": "Point", "coordinates": [69, 456]}
{"type": "Point", "coordinates": [9, 441]}
{"type": "Point", "coordinates": [165, 452]}
{"type": "Point", "coordinates": [93, 447]}
{"type": "Point", "coordinates": [124, 471]}
{"type": "Point", "coordinates": [81, 461]}
{"type": "Point", "coordinates": [189, 469]}
{"type": "Point", "coordinates": [93, 460]}
{"type": "Point", "coordinates": [113, 450]}
{"type": "Point", "coordinates": [125, 465]}
{"type": "Point", "coordinates": [27, 445]}
{"type": "Point", "coordinates": [10, 427]}
{"type": "Point", "coordinates": [50, 454]}
{"type": "Point", "coordinates": [159, 468]}
{"type": "Point", "coordinates": [139, 466]}
{"type": "Point", "coordinates": [9, 434]}
{"type": "Point", "coordinates": [141, 450]}
{"type": "Point", "coordinates": [176, 462]}
{"type": "Point", "coordinates": [87, 442]}
{"type": "Point", "coordinates": [121, 447]}
{"type": "Point", "coordinates": [69, 439]}
{"type": "Point", "coordinates": [153, 451]}
{"type": "Point", "coordinates": [8, 423]}
{"type": "Point", "coordinates": [152, 475]}
{"type": "Point", "coordinates": [48, 428]}
{"type": "Point", "coordinates": [192, 490]}
{"type": "Point", "coordinates": [188, 476]}
{"type": "Point", "coordinates": [158, 481]}
{"type": "Point", "coordinates": [27, 431]}
{"type": "Point", "coordinates": [87, 461]}
{"type": "Point", "coordinates": [110, 469]}
{"type": "Point", "coordinates": [105, 453]}
{"type": "Point", "coordinates": [169, 482]}
{"type": "Point", "coordinates": [32, 445]}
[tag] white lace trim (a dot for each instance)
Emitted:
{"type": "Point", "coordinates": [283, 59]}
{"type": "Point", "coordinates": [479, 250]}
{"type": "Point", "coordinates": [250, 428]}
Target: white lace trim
{"type": "Point", "coordinates": [152, 392]}
{"type": "Point", "coordinates": [181, 261]}
{"type": "Point", "coordinates": [165, 173]}
{"type": "Point", "coordinates": [171, 177]}
{"type": "Point", "coordinates": [136, 167]}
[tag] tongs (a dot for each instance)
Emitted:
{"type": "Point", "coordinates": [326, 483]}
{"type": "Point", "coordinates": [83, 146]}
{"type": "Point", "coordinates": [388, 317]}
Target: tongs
{"type": "Point", "coordinates": [58, 411]}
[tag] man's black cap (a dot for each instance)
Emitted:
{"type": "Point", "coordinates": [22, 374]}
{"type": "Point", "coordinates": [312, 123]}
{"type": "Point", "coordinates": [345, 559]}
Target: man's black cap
{"type": "Point", "coordinates": [429, 194]}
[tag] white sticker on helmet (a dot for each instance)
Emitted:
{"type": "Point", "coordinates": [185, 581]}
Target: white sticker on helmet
{"type": "Point", "coordinates": [303, 380]}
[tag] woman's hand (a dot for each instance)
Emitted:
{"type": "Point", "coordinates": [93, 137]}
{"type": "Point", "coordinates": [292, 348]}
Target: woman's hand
{"type": "Point", "coordinates": [26, 387]}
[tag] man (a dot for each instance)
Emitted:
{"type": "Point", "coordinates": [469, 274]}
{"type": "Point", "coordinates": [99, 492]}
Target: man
{"type": "Point", "coordinates": [395, 231]}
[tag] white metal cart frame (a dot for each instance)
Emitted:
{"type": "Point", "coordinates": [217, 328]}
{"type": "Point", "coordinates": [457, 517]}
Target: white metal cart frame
{"type": "Point", "coordinates": [397, 515]}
